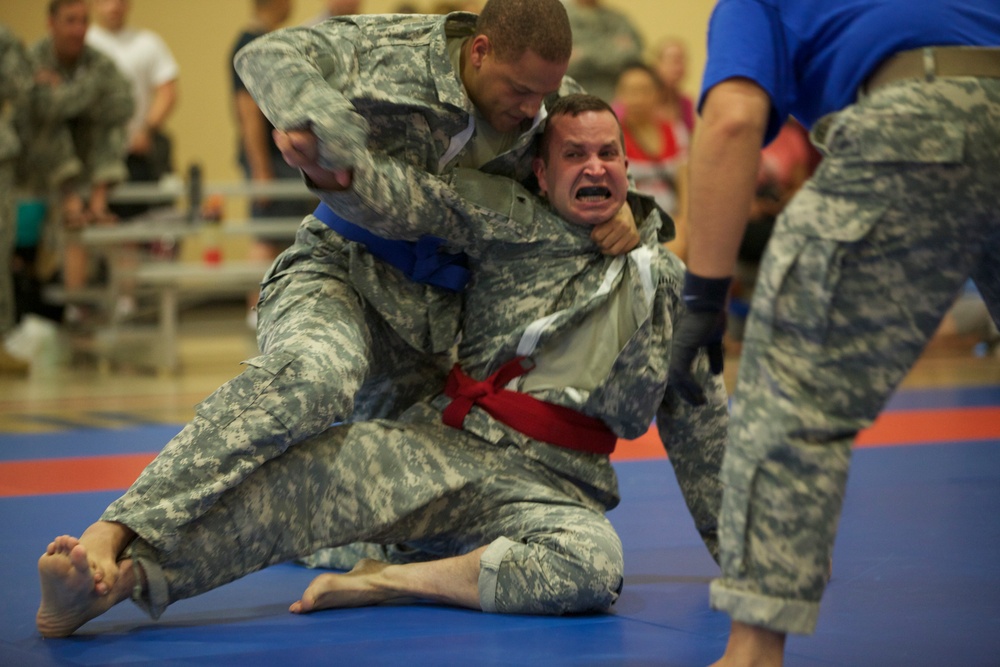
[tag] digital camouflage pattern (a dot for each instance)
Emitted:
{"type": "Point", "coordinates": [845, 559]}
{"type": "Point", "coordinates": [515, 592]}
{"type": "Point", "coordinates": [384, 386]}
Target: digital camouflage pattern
{"type": "Point", "coordinates": [535, 277]}
{"type": "Point", "coordinates": [343, 335]}
{"type": "Point", "coordinates": [604, 42]}
{"type": "Point", "coordinates": [859, 272]}
{"type": "Point", "coordinates": [334, 322]}
{"type": "Point", "coordinates": [444, 492]}
{"type": "Point", "coordinates": [15, 82]}
{"type": "Point", "coordinates": [74, 132]}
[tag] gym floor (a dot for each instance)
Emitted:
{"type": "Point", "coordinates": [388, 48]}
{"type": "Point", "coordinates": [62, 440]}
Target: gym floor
{"type": "Point", "coordinates": [916, 577]}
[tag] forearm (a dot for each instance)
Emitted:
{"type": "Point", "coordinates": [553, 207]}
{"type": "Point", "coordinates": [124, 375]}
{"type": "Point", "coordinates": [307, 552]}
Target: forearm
{"type": "Point", "coordinates": [164, 100]}
{"type": "Point", "coordinates": [394, 200]}
{"type": "Point", "coordinates": [722, 175]}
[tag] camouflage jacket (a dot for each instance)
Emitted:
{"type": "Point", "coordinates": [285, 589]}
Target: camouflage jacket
{"type": "Point", "coordinates": [535, 278]}
{"type": "Point", "coordinates": [383, 83]}
{"type": "Point", "coordinates": [77, 127]}
{"type": "Point", "coordinates": [15, 82]}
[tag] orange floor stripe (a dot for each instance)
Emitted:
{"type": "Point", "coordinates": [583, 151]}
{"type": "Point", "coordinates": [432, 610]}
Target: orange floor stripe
{"type": "Point", "coordinates": [916, 427]}
{"type": "Point", "coordinates": [930, 426]}
{"type": "Point", "coordinates": [73, 475]}
{"type": "Point", "coordinates": [114, 473]}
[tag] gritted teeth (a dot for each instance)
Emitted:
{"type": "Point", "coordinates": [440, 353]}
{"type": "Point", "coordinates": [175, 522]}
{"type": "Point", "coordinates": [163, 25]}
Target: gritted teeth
{"type": "Point", "coordinates": [593, 192]}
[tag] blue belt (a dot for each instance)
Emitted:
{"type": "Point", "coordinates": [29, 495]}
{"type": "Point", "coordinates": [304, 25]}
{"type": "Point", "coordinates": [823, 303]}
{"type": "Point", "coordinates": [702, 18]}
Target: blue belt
{"type": "Point", "coordinates": [421, 261]}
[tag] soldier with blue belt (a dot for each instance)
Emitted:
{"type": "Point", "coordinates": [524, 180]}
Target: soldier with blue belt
{"type": "Point", "coordinates": [501, 481]}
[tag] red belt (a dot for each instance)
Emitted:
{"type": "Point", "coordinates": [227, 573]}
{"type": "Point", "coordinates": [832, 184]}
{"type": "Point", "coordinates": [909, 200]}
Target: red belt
{"type": "Point", "coordinates": [548, 422]}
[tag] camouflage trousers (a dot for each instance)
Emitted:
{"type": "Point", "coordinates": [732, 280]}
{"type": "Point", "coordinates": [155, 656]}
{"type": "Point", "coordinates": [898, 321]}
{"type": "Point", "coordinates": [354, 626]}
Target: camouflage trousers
{"type": "Point", "coordinates": [8, 236]}
{"type": "Point", "coordinates": [327, 356]}
{"type": "Point", "coordinates": [861, 268]}
{"type": "Point", "coordinates": [447, 492]}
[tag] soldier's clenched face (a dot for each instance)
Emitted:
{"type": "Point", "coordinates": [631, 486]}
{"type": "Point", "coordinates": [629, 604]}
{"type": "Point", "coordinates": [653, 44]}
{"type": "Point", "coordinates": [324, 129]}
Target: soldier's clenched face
{"type": "Point", "coordinates": [508, 91]}
{"type": "Point", "coordinates": [583, 172]}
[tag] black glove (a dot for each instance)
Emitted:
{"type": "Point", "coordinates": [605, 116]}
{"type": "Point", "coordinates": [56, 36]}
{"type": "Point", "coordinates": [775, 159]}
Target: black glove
{"type": "Point", "coordinates": [702, 325]}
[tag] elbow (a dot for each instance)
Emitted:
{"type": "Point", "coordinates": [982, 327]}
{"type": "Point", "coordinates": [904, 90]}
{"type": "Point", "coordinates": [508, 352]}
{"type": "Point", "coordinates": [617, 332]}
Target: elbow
{"type": "Point", "coordinates": [737, 109]}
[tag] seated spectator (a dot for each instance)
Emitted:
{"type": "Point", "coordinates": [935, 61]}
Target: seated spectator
{"type": "Point", "coordinates": [655, 158]}
{"type": "Point", "coordinates": [146, 61]}
{"type": "Point", "coordinates": [15, 82]}
{"type": "Point", "coordinates": [675, 106]}
{"type": "Point", "coordinates": [74, 130]}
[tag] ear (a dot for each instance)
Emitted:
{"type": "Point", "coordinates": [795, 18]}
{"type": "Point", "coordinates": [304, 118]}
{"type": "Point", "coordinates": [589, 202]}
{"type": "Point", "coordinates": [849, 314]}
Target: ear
{"type": "Point", "coordinates": [538, 166]}
{"type": "Point", "coordinates": [480, 48]}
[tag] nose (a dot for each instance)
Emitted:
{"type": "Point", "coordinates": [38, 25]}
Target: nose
{"type": "Point", "coordinates": [531, 106]}
{"type": "Point", "coordinates": [594, 166]}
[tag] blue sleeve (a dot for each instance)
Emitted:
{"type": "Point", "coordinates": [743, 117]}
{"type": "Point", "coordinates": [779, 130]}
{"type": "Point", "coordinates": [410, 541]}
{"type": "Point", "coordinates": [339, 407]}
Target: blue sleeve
{"type": "Point", "coordinates": [746, 40]}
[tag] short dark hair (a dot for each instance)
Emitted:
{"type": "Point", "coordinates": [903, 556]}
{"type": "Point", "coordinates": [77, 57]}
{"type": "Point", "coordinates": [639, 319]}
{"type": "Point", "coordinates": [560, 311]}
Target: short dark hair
{"type": "Point", "coordinates": [572, 105]}
{"type": "Point", "coordinates": [56, 5]}
{"type": "Point", "coordinates": [515, 26]}
{"type": "Point", "coordinates": [642, 67]}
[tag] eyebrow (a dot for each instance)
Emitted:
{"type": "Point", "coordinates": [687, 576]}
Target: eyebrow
{"type": "Point", "coordinates": [578, 145]}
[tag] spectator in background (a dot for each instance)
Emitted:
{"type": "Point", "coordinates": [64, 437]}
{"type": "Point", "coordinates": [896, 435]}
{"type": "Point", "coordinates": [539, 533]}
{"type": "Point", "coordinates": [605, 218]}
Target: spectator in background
{"type": "Point", "coordinates": [675, 106]}
{"type": "Point", "coordinates": [604, 41]}
{"type": "Point", "coordinates": [654, 155]}
{"type": "Point", "coordinates": [333, 8]}
{"type": "Point", "coordinates": [74, 130]}
{"type": "Point", "coordinates": [260, 158]}
{"type": "Point", "coordinates": [146, 61]}
{"type": "Point", "coordinates": [15, 82]}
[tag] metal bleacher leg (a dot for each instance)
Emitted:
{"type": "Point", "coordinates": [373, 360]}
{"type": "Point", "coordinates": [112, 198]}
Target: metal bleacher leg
{"type": "Point", "coordinates": [169, 305]}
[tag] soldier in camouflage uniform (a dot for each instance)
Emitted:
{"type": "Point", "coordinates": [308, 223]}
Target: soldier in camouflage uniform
{"type": "Point", "coordinates": [345, 334]}
{"type": "Point", "coordinates": [604, 42]}
{"type": "Point", "coordinates": [861, 267]}
{"type": "Point", "coordinates": [15, 82]}
{"type": "Point", "coordinates": [74, 128]}
{"type": "Point", "coordinates": [515, 522]}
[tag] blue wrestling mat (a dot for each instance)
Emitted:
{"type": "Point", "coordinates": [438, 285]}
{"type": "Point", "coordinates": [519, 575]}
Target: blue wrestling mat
{"type": "Point", "coordinates": [916, 578]}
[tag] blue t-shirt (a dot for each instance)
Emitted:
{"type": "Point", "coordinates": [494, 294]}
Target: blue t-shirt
{"type": "Point", "coordinates": [811, 56]}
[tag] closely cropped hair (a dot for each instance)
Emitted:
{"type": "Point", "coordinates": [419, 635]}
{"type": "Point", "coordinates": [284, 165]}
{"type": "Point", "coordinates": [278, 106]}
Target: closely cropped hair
{"type": "Point", "coordinates": [514, 26]}
{"type": "Point", "coordinates": [572, 105]}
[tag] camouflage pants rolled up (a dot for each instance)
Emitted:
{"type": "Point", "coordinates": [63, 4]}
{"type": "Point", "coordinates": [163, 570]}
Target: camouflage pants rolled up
{"type": "Point", "coordinates": [327, 357]}
{"type": "Point", "coordinates": [694, 438]}
{"type": "Point", "coordinates": [551, 550]}
{"type": "Point", "coordinates": [861, 268]}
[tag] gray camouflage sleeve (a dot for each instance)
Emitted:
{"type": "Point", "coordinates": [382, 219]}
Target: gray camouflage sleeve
{"type": "Point", "coordinates": [297, 77]}
{"type": "Point", "coordinates": [395, 200]}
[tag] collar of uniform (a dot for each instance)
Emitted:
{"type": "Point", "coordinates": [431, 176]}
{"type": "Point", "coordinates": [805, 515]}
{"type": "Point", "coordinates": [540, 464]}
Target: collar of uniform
{"type": "Point", "coordinates": [651, 221]}
{"type": "Point", "coordinates": [449, 82]}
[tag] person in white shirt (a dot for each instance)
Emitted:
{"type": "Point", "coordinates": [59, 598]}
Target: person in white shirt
{"type": "Point", "coordinates": [146, 61]}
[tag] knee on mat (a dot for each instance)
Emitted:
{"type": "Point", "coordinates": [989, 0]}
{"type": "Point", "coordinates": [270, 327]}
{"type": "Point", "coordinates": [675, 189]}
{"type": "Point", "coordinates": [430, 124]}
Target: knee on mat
{"type": "Point", "coordinates": [587, 579]}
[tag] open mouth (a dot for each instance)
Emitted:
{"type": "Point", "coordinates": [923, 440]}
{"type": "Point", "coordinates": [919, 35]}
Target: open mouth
{"type": "Point", "coordinates": [593, 193]}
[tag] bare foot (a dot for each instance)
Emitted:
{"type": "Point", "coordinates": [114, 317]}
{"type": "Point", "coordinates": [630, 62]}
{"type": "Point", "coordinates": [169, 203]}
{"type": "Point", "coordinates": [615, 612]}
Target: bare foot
{"type": "Point", "coordinates": [69, 594]}
{"type": "Point", "coordinates": [362, 586]}
{"type": "Point", "coordinates": [752, 646]}
{"type": "Point", "coordinates": [105, 541]}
